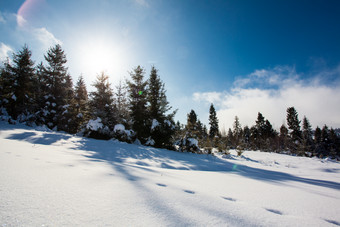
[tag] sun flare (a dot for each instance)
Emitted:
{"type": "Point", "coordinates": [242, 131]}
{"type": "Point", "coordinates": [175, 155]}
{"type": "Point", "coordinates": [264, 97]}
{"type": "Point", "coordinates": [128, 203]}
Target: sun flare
{"type": "Point", "coordinates": [98, 55]}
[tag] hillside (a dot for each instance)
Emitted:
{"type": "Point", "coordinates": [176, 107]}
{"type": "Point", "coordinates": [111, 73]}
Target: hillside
{"type": "Point", "coordinates": [54, 179]}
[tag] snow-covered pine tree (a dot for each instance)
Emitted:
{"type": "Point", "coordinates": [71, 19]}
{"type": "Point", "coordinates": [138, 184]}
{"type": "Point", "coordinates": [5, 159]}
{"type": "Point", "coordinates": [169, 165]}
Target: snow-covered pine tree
{"type": "Point", "coordinates": [80, 105]}
{"type": "Point", "coordinates": [6, 91]}
{"type": "Point", "coordinates": [103, 117]}
{"type": "Point", "coordinates": [162, 124]}
{"type": "Point", "coordinates": [213, 122]}
{"type": "Point", "coordinates": [59, 89]}
{"type": "Point", "coordinates": [22, 101]}
{"type": "Point", "coordinates": [138, 101]}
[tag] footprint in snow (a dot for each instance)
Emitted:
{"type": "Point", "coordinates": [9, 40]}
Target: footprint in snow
{"type": "Point", "coordinates": [274, 211]}
{"type": "Point", "coordinates": [161, 185]}
{"type": "Point", "coordinates": [189, 191]}
{"type": "Point", "coordinates": [230, 199]}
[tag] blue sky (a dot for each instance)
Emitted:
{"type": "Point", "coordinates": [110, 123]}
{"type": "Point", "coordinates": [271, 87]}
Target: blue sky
{"type": "Point", "coordinates": [245, 56]}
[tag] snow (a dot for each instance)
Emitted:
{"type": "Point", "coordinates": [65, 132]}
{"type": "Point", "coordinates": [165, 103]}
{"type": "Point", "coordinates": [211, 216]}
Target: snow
{"type": "Point", "coordinates": [56, 179]}
{"type": "Point", "coordinates": [155, 123]}
{"type": "Point", "coordinates": [94, 124]}
{"type": "Point", "coordinates": [119, 127]}
{"type": "Point", "coordinates": [193, 141]}
{"type": "Point", "coordinates": [14, 97]}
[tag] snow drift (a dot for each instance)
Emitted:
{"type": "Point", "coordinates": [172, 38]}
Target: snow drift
{"type": "Point", "coordinates": [55, 179]}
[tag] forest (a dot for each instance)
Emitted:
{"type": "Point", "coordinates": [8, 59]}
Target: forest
{"type": "Point", "coordinates": [137, 111]}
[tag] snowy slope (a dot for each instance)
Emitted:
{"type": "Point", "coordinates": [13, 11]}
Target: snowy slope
{"type": "Point", "coordinates": [55, 179]}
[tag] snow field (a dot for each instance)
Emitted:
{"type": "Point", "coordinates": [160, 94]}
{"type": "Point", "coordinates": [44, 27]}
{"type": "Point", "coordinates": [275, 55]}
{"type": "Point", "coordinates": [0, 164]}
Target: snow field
{"type": "Point", "coordinates": [55, 179]}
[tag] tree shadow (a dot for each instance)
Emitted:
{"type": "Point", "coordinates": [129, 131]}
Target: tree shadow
{"type": "Point", "coordinates": [117, 152]}
{"type": "Point", "coordinates": [45, 138]}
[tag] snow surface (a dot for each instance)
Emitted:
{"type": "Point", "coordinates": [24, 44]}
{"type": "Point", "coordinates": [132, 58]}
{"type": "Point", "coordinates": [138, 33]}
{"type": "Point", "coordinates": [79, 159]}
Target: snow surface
{"type": "Point", "coordinates": [119, 127]}
{"type": "Point", "coordinates": [55, 179]}
{"type": "Point", "coordinates": [155, 124]}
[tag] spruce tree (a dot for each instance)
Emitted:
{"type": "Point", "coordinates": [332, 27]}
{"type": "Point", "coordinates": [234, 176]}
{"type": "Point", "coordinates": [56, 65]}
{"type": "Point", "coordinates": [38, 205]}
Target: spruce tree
{"type": "Point", "coordinates": [122, 104]}
{"type": "Point", "coordinates": [283, 138]}
{"type": "Point", "coordinates": [192, 127]}
{"type": "Point", "coordinates": [307, 135]}
{"type": "Point", "coordinates": [101, 108]}
{"type": "Point", "coordinates": [59, 89]}
{"type": "Point", "coordinates": [237, 132]}
{"type": "Point", "coordinates": [138, 101]}
{"type": "Point", "coordinates": [80, 105]}
{"type": "Point", "coordinates": [162, 125]}
{"type": "Point", "coordinates": [23, 100]}
{"type": "Point", "coordinates": [294, 126]}
{"type": "Point", "coordinates": [213, 121]}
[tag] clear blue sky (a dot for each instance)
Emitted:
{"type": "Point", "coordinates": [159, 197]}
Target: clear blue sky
{"type": "Point", "coordinates": [228, 52]}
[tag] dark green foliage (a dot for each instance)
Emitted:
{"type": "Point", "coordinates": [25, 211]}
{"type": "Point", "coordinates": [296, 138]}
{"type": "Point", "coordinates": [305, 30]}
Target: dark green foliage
{"type": "Point", "coordinates": [283, 138]}
{"type": "Point", "coordinates": [294, 125]}
{"type": "Point", "coordinates": [192, 125]}
{"type": "Point", "coordinates": [138, 104]}
{"type": "Point", "coordinates": [307, 136]}
{"type": "Point", "coordinates": [101, 105]}
{"type": "Point", "coordinates": [237, 133]}
{"type": "Point", "coordinates": [158, 106]}
{"type": "Point", "coordinates": [80, 106]}
{"type": "Point", "coordinates": [58, 86]}
{"type": "Point", "coordinates": [19, 85]}
{"type": "Point", "coordinates": [213, 122]}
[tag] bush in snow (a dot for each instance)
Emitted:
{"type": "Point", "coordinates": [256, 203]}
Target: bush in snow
{"type": "Point", "coordinates": [188, 145]}
{"type": "Point", "coordinates": [95, 129]}
{"type": "Point", "coordinates": [121, 134]}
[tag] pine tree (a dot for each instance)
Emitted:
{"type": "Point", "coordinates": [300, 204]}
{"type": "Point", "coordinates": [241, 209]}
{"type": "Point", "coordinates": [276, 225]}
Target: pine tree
{"type": "Point", "coordinates": [307, 135]}
{"type": "Point", "coordinates": [7, 83]}
{"type": "Point", "coordinates": [102, 109]}
{"type": "Point", "coordinates": [59, 89]}
{"type": "Point", "coordinates": [138, 101]}
{"type": "Point", "coordinates": [284, 137]}
{"type": "Point", "coordinates": [237, 132]}
{"type": "Point", "coordinates": [317, 141]}
{"type": "Point", "coordinates": [294, 126]}
{"type": "Point", "coordinates": [162, 125]}
{"type": "Point", "coordinates": [259, 132]}
{"type": "Point", "coordinates": [213, 121]}
{"type": "Point", "coordinates": [80, 105]}
{"type": "Point", "coordinates": [122, 104]}
{"type": "Point", "coordinates": [191, 127]}
{"type": "Point", "coordinates": [23, 89]}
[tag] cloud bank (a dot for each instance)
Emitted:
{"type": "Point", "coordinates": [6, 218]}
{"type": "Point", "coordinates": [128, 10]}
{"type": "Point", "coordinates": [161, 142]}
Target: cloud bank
{"type": "Point", "coordinates": [272, 91]}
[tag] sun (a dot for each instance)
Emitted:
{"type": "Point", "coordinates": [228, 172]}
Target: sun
{"type": "Point", "coordinates": [98, 55]}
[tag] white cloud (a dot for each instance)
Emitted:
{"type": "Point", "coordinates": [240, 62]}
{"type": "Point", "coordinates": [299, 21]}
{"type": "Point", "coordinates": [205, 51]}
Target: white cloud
{"type": "Point", "coordinates": [46, 37]}
{"type": "Point", "coordinates": [271, 92]}
{"type": "Point", "coordinates": [4, 51]}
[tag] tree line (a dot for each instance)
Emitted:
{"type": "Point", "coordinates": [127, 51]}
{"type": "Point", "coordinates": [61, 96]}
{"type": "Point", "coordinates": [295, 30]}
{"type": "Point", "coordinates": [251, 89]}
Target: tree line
{"type": "Point", "coordinates": [295, 138]}
{"type": "Point", "coordinates": [137, 111]}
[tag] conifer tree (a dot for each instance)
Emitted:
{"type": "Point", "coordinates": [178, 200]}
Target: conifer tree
{"type": "Point", "coordinates": [191, 127]}
{"type": "Point", "coordinates": [213, 121]}
{"type": "Point", "coordinates": [237, 132]}
{"type": "Point", "coordinates": [138, 101]}
{"type": "Point", "coordinates": [102, 109]}
{"type": "Point", "coordinates": [294, 126]}
{"type": "Point", "coordinates": [284, 137]}
{"type": "Point", "coordinates": [122, 104]}
{"type": "Point", "coordinates": [307, 135]}
{"type": "Point", "coordinates": [22, 100]}
{"type": "Point", "coordinates": [7, 87]}
{"type": "Point", "coordinates": [80, 105]}
{"type": "Point", "coordinates": [162, 125]}
{"type": "Point", "coordinates": [59, 89]}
